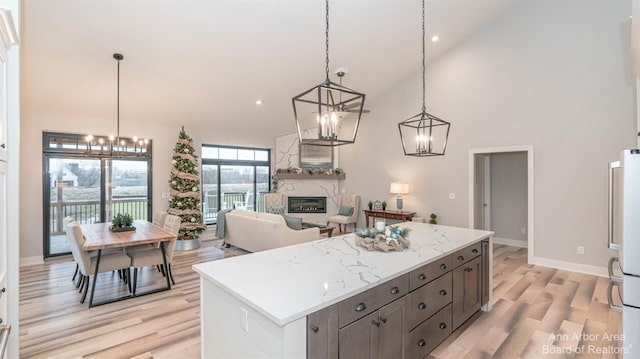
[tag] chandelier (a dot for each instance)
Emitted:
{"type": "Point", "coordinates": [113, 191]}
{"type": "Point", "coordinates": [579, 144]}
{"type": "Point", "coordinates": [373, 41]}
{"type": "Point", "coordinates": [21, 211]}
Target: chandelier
{"type": "Point", "coordinates": [328, 114]}
{"type": "Point", "coordinates": [117, 146]}
{"type": "Point", "coordinates": [424, 134]}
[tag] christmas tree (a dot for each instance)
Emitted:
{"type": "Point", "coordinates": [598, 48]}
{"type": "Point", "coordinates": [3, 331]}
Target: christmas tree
{"type": "Point", "coordinates": [185, 188]}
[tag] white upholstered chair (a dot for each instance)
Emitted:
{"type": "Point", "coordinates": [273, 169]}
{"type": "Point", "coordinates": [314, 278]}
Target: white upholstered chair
{"type": "Point", "coordinates": [346, 201]}
{"type": "Point", "coordinates": [159, 217]}
{"type": "Point", "coordinates": [87, 264]}
{"type": "Point", "coordinates": [153, 256]}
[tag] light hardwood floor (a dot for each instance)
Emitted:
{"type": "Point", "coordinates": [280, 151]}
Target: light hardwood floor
{"type": "Point", "coordinates": [535, 309]}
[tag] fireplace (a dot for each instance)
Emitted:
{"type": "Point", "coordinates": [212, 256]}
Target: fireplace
{"type": "Point", "coordinates": [307, 204]}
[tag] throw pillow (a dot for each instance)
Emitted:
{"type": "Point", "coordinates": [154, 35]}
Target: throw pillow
{"type": "Point", "coordinates": [276, 209]}
{"type": "Point", "coordinates": [293, 222]}
{"type": "Point", "coordinates": [345, 211]}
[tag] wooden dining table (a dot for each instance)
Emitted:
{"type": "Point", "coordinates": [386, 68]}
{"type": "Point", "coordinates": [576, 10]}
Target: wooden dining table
{"type": "Point", "coordinates": [98, 236]}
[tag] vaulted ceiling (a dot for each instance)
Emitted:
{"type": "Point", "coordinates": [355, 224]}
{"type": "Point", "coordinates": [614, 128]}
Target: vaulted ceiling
{"type": "Point", "coordinates": [200, 62]}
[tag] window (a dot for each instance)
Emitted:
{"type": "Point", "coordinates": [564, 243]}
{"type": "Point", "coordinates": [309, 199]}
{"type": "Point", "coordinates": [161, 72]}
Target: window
{"type": "Point", "coordinates": [90, 185]}
{"type": "Point", "coordinates": [234, 177]}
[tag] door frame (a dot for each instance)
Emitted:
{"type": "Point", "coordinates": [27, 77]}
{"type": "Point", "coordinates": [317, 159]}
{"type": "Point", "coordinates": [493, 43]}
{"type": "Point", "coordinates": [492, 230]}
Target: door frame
{"type": "Point", "coordinates": [530, 186]}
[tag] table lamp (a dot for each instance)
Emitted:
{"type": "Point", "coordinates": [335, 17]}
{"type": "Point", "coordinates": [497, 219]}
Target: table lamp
{"type": "Point", "coordinates": [399, 188]}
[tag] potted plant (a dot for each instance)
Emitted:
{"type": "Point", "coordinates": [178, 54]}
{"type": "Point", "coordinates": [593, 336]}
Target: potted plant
{"type": "Point", "coordinates": [433, 218]}
{"type": "Point", "coordinates": [384, 205]}
{"type": "Point", "coordinates": [122, 223]}
{"type": "Point", "coordinates": [370, 205]}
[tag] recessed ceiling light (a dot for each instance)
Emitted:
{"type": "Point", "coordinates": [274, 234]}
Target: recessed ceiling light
{"type": "Point", "coordinates": [435, 38]}
{"type": "Point", "coordinates": [258, 102]}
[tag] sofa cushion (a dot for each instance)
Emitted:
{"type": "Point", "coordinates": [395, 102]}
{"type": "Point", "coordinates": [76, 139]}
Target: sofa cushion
{"type": "Point", "coordinates": [270, 217]}
{"type": "Point", "coordinates": [242, 212]}
{"type": "Point", "coordinates": [276, 210]}
{"type": "Point", "coordinates": [345, 211]}
{"type": "Point", "coordinates": [293, 222]}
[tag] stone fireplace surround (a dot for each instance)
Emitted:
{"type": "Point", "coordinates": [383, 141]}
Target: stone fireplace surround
{"type": "Point", "coordinates": [287, 155]}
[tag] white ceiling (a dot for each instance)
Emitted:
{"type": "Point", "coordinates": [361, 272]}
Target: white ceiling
{"type": "Point", "coordinates": [194, 61]}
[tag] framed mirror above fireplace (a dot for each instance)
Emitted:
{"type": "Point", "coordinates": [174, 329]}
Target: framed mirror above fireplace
{"type": "Point", "coordinates": [316, 156]}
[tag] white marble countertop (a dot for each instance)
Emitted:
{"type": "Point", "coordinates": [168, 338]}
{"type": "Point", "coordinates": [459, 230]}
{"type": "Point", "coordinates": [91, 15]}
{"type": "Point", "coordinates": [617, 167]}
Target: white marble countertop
{"type": "Point", "coordinates": [288, 283]}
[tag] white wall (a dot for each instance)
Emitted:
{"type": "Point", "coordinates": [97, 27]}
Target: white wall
{"type": "Point", "coordinates": [509, 195]}
{"type": "Point", "coordinates": [552, 74]}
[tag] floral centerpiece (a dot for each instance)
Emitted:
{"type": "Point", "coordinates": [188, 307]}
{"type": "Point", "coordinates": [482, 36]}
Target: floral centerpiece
{"type": "Point", "coordinates": [393, 238]}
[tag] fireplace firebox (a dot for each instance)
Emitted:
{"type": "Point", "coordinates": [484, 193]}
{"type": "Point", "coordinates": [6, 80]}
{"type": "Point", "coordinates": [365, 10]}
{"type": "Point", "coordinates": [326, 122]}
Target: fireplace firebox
{"type": "Point", "coordinates": [307, 204]}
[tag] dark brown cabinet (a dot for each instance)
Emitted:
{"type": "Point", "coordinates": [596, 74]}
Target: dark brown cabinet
{"type": "Point", "coordinates": [322, 333]}
{"type": "Point", "coordinates": [467, 291]}
{"type": "Point", "coordinates": [406, 317]}
{"type": "Point", "coordinates": [377, 335]}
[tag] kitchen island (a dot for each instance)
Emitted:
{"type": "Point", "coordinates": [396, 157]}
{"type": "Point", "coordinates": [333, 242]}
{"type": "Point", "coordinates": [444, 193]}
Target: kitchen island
{"type": "Point", "coordinates": [256, 305]}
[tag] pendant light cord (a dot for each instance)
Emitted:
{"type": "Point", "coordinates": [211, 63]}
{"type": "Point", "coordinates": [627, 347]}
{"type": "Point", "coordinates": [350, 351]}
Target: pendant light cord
{"type": "Point", "coordinates": [424, 91]}
{"type": "Point", "coordinates": [326, 34]}
{"type": "Point", "coordinates": [118, 104]}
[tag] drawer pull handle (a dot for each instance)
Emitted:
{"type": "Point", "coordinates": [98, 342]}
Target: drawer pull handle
{"type": "Point", "coordinates": [475, 250]}
{"type": "Point", "coordinates": [314, 328]}
{"type": "Point", "coordinates": [422, 306]}
{"type": "Point", "coordinates": [376, 323]}
{"type": "Point", "coordinates": [422, 276]}
{"type": "Point", "coordinates": [443, 326]}
{"type": "Point", "coordinates": [443, 266]}
{"type": "Point", "coordinates": [460, 258]}
{"type": "Point", "coordinates": [443, 292]}
{"type": "Point", "coordinates": [360, 307]}
{"type": "Point", "coordinates": [395, 290]}
{"type": "Point", "coordinates": [421, 343]}
{"type": "Point", "coordinates": [383, 319]}
{"type": "Point", "coordinates": [468, 269]}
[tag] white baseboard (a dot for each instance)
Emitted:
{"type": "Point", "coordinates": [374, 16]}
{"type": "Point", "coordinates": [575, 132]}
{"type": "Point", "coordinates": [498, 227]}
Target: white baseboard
{"type": "Point", "coordinates": [510, 242]}
{"type": "Point", "coordinates": [29, 261]}
{"type": "Point", "coordinates": [570, 266]}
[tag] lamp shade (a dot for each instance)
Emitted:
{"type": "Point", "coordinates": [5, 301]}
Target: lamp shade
{"type": "Point", "coordinates": [399, 188]}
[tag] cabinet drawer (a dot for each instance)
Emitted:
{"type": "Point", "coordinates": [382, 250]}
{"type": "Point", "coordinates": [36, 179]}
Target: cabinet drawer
{"type": "Point", "coordinates": [429, 299]}
{"type": "Point", "coordinates": [429, 334]}
{"type": "Point", "coordinates": [427, 273]}
{"type": "Point", "coordinates": [466, 254]}
{"type": "Point", "coordinates": [359, 305]}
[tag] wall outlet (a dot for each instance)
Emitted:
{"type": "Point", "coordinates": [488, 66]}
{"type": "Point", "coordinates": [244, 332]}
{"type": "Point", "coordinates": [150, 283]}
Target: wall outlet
{"type": "Point", "coordinates": [580, 250]}
{"type": "Point", "coordinates": [523, 230]}
{"type": "Point", "coordinates": [452, 196]}
{"type": "Point", "coordinates": [244, 319]}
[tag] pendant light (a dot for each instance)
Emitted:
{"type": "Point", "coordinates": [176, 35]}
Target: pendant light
{"type": "Point", "coordinates": [328, 114]}
{"type": "Point", "coordinates": [117, 146]}
{"type": "Point", "coordinates": [424, 135]}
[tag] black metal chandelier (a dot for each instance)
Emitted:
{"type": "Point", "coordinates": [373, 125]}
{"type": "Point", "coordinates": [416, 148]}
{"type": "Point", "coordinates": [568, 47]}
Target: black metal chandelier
{"type": "Point", "coordinates": [117, 146]}
{"type": "Point", "coordinates": [328, 114]}
{"type": "Point", "coordinates": [424, 134]}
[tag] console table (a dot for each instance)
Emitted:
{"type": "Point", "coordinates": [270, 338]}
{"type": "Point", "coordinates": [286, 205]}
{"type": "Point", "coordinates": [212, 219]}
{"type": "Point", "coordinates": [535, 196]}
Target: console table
{"type": "Point", "coordinates": [396, 215]}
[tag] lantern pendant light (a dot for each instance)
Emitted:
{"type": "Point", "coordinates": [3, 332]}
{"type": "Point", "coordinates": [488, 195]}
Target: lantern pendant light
{"type": "Point", "coordinates": [424, 135]}
{"type": "Point", "coordinates": [328, 114]}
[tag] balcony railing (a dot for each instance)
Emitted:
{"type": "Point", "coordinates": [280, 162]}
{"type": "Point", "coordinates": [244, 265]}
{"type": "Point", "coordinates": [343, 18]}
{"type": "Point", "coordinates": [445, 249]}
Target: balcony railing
{"type": "Point", "coordinates": [89, 211]}
{"type": "Point", "coordinates": [229, 200]}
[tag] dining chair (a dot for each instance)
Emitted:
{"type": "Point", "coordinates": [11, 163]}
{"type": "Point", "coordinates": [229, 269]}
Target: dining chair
{"type": "Point", "coordinates": [153, 256]}
{"type": "Point", "coordinates": [65, 222]}
{"type": "Point", "coordinates": [159, 217]}
{"type": "Point", "coordinates": [113, 261]}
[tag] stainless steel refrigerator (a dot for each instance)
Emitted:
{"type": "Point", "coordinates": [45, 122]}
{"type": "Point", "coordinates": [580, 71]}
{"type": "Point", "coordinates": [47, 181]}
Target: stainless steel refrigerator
{"type": "Point", "coordinates": [624, 237]}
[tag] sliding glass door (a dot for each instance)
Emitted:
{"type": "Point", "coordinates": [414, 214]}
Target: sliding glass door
{"type": "Point", "coordinates": [233, 177]}
{"type": "Point", "coordinates": [89, 188]}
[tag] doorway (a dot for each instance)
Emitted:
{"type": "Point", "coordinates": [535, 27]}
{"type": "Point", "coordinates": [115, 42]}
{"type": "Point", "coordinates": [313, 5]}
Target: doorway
{"type": "Point", "coordinates": [501, 194]}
